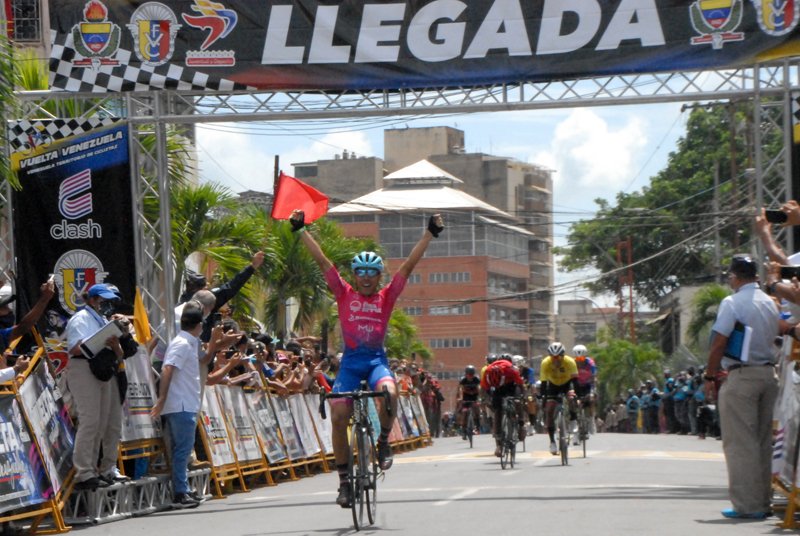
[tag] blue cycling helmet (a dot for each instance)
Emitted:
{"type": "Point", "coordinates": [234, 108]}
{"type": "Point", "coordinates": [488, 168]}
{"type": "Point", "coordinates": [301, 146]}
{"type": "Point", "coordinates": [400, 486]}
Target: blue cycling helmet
{"type": "Point", "coordinates": [367, 259]}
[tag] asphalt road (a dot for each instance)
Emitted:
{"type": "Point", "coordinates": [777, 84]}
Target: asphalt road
{"type": "Point", "coordinates": [643, 485]}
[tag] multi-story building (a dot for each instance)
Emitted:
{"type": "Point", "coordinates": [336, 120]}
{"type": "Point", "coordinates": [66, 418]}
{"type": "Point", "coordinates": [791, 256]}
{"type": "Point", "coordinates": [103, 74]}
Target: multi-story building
{"type": "Point", "coordinates": [519, 189]}
{"type": "Point", "coordinates": [456, 293]}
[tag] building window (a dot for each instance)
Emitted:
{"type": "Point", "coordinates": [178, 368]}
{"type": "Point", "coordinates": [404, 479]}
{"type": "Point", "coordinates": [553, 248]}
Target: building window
{"type": "Point", "coordinates": [451, 343]}
{"type": "Point", "coordinates": [460, 277]}
{"type": "Point", "coordinates": [415, 278]}
{"type": "Point", "coordinates": [413, 311]}
{"type": "Point", "coordinates": [441, 310]}
{"type": "Point", "coordinates": [27, 21]}
{"type": "Point", "coordinates": [302, 172]}
{"type": "Point", "coordinates": [438, 278]}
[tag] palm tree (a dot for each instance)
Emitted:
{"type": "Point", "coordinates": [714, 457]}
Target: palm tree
{"type": "Point", "coordinates": [204, 220]}
{"type": "Point", "coordinates": [704, 309]}
{"type": "Point", "coordinates": [622, 365]}
{"type": "Point", "coordinates": [7, 103]}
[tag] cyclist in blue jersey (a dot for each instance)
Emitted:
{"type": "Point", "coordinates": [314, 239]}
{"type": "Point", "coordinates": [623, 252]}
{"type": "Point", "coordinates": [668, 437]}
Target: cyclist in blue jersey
{"type": "Point", "coordinates": [364, 313]}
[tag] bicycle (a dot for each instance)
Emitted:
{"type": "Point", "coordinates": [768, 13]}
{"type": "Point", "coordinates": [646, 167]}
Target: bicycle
{"type": "Point", "coordinates": [563, 433]}
{"type": "Point", "coordinates": [508, 433]}
{"type": "Point", "coordinates": [362, 464]}
{"type": "Point", "coordinates": [36, 138]}
{"type": "Point", "coordinates": [469, 421]}
{"type": "Point", "coordinates": [583, 427]}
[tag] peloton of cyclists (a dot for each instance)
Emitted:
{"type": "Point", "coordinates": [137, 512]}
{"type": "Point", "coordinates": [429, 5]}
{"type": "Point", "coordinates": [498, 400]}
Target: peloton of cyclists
{"type": "Point", "coordinates": [468, 391]}
{"type": "Point", "coordinates": [559, 377]}
{"type": "Point", "coordinates": [502, 379]}
{"type": "Point", "coordinates": [587, 378]}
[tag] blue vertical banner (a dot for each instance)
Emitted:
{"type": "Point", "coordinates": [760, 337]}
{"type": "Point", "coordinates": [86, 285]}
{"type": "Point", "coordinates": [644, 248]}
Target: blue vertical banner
{"type": "Point", "coordinates": [73, 217]}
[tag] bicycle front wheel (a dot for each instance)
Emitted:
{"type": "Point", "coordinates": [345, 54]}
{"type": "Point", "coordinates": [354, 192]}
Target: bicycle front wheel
{"type": "Point", "coordinates": [371, 469]}
{"type": "Point", "coordinates": [355, 477]}
{"type": "Point", "coordinates": [511, 438]}
{"type": "Point", "coordinates": [470, 427]}
{"type": "Point", "coordinates": [503, 443]}
{"type": "Point", "coordinates": [563, 439]}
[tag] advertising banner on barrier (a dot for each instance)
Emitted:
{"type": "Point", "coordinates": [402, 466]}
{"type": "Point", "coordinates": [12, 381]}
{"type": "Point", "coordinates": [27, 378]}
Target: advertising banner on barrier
{"type": "Point", "coordinates": [409, 414]}
{"type": "Point", "coordinates": [787, 413]}
{"type": "Point", "coordinates": [236, 411]}
{"type": "Point", "coordinates": [404, 419]}
{"type": "Point", "coordinates": [374, 419]}
{"type": "Point", "coordinates": [266, 425]}
{"type": "Point", "coordinates": [323, 426]}
{"type": "Point", "coordinates": [213, 424]}
{"type": "Point", "coordinates": [419, 412]}
{"type": "Point", "coordinates": [115, 45]}
{"type": "Point", "coordinates": [288, 431]}
{"type": "Point", "coordinates": [141, 397]}
{"type": "Point", "coordinates": [305, 426]}
{"type": "Point", "coordinates": [50, 423]}
{"type": "Point", "coordinates": [76, 180]}
{"type": "Point", "coordinates": [23, 480]}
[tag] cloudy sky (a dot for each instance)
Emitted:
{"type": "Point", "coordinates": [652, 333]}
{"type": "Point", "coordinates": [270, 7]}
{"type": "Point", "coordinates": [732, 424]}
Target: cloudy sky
{"type": "Point", "coordinates": [596, 152]}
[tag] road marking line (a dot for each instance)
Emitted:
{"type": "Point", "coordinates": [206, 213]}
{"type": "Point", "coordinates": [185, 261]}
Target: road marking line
{"type": "Point", "coordinates": [457, 496]}
{"type": "Point", "coordinates": [541, 461]}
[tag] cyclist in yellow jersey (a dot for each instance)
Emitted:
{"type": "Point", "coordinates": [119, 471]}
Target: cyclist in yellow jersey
{"type": "Point", "coordinates": [491, 358]}
{"type": "Point", "coordinates": [559, 376]}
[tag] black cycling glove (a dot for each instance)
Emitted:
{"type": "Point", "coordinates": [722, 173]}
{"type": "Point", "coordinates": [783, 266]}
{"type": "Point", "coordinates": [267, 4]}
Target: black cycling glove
{"type": "Point", "coordinates": [433, 228]}
{"type": "Point", "coordinates": [298, 224]}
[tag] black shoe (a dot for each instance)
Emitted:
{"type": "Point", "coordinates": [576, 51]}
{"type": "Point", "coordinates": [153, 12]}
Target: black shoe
{"type": "Point", "coordinates": [385, 457]}
{"type": "Point", "coordinates": [343, 499]}
{"type": "Point", "coordinates": [197, 497]}
{"type": "Point", "coordinates": [184, 500]}
{"type": "Point", "coordinates": [91, 484]}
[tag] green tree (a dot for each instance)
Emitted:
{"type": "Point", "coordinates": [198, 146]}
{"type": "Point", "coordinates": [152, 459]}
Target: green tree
{"type": "Point", "coordinates": [7, 104]}
{"type": "Point", "coordinates": [402, 339]}
{"type": "Point", "coordinates": [704, 311]}
{"type": "Point", "coordinates": [673, 213]}
{"type": "Point", "coordinates": [622, 365]}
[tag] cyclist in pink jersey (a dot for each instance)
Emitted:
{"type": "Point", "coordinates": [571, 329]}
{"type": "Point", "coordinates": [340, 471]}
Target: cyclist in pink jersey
{"type": "Point", "coordinates": [587, 377]}
{"type": "Point", "coordinates": [364, 315]}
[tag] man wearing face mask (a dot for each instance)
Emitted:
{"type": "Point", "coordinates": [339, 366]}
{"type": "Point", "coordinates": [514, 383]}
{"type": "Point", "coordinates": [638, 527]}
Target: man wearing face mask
{"type": "Point", "coordinates": [97, 402]}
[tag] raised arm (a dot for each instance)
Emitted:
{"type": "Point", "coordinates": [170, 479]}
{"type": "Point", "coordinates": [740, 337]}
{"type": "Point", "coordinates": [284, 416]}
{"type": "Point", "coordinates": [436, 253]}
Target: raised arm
{"type": "Point", "coordinates": [435, 226]}
{"type": "Point", "coordinates": [764, 231]}
{"type": "Point", "coordinates": [30, 319]}
{"type": "Point", "coordinates": [297, 221]}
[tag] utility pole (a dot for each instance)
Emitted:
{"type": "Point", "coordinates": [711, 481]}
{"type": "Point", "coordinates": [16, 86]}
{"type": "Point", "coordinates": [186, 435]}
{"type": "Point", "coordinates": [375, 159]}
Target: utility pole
{"type": "Point", "coordinates": [717, 247]}
{"type": "Point", "coordinates": [626, 280]}
{"type": "Point", "coordinates": [734, 173]}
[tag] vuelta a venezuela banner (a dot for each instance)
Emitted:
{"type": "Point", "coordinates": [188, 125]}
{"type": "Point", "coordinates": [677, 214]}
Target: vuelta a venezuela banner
{"type": "Point", "coordinates": [72, 217]}
{"type": "Point", "coordinates": [23, 480]}
{"type": "Point", "coordinates": [352, 44]}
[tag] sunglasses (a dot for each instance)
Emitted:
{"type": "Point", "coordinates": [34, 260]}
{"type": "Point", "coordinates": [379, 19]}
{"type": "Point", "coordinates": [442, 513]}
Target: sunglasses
{"type": "Point", "coordinates": [368, 272]}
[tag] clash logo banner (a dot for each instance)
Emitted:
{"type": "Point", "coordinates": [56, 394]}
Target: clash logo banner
{"type": "Point", "coordinates": [73, 221]}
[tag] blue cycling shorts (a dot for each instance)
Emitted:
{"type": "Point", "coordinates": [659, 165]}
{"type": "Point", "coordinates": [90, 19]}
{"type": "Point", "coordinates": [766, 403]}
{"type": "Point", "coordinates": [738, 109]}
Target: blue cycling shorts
{"type": "Point", "coordinates": [355, 368]}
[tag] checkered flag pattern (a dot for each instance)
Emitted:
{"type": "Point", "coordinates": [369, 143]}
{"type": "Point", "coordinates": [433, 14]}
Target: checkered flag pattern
{"type": "Point", "coordinates": [51, 130]}
{"type": "Point", "coordinates": [125, 77]}
{"type": "Point", "coordinates": [796, 116]}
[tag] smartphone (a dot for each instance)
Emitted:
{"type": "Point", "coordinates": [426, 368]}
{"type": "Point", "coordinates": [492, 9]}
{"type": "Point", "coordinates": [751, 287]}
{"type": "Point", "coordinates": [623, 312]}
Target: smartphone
{"type": "Point", "coordinates": [788, 272]}
{"type": "Point", "coordinates": [294, 365]}
{"type": "Point", "coordinates": [11, 359]}
{"type": "Point", "coordinates": [230, 353]}
{"type": "Point", "coordinates": [776, 216]}
{"type": "Point", "coordinates": [217, 319]}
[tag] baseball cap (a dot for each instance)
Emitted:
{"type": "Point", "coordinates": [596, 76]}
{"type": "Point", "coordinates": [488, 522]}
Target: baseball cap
{"type": "Point", "coordinates": [743, 265]}
{"type": "Point", "coordinates": [195, 280]}
{"type": "Point", "coordinates": [107, 291]}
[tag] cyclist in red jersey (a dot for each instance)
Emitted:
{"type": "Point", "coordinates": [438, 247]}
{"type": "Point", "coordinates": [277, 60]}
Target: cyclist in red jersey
{"type": "Point", "coordinates": [502, 379]}
{"type": "Point", "coordinates": [364, 315]}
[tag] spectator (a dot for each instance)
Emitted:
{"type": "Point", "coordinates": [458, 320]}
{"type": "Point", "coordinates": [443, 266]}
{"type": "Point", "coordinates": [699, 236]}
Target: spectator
{"type": "Point", "coordinates": [179, 400]}
{"type": "Point", "coordinates": [681, 396]}
{"type": "Point", "coordinates": [157, 346]}
{"type": "Point", "coordinates": [12, 332]}
{"type": "Point", "coordinates": [653, 408]}
{"type": "Point", "coordinates": [632, 407]}
{"type": "Point", "coordinates": [747, 397]}
{"type": "Point", "coordinates": [96, 401]}
{"type": "Point", "coordinates": [692, 380]}
{"type": "Point", "coordinates": [668, 404]}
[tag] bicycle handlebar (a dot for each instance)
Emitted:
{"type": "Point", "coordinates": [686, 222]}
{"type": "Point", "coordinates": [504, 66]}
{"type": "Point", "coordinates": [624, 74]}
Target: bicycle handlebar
{"type": "Point", "coordinates": [356, 395]}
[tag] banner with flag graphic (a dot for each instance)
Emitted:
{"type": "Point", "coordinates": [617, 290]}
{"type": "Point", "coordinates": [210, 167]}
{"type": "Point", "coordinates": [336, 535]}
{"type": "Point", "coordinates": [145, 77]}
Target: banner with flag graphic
{"type": "Point", "coordinates": [293, 194]}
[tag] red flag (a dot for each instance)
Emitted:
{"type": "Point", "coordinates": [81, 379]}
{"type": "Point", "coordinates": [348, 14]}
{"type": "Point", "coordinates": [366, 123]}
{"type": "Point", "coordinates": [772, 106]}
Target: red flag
{"type": "Point", "coordinates": [293, 194]}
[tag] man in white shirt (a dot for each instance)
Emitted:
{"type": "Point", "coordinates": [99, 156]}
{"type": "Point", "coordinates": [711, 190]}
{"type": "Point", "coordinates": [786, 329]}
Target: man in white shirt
{"type": "Point", "coordinates": [179, 398]}
{"type": "Point", "coordinates": [747, 398]}
{"type": "Point", "coordinates": [97, 402]}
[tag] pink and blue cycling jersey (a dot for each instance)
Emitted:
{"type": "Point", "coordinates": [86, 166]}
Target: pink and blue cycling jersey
{"type": "Point", "coordinates": [586, 369]}
{"type": "Point", "coordinates": [364, 318]}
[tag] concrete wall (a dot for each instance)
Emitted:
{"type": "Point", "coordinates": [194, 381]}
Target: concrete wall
{"type": "Point", "coordinates": [347, 179]}
{"type": "Point", "coordinates": [403, 147]}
